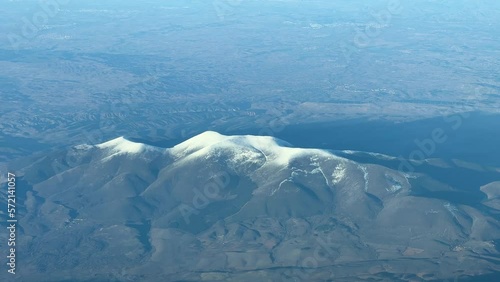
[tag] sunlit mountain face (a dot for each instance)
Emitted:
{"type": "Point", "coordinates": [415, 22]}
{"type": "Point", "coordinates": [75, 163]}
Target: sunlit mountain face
{"type": "Point", "coordinates": [219, 207]}
{"type": "Point", "coordinates": [261, 140]}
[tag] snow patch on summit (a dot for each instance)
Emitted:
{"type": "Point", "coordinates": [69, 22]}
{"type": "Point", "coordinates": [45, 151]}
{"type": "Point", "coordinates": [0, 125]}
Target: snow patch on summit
{"type": "Point", "coordinates": [121, 145]}
{"type": "Point", "coordinates": [198, 142]}
{"type": "Point", "coordinates": [244, 147]}
{"type": "Point", "coordinates": [240, 151]}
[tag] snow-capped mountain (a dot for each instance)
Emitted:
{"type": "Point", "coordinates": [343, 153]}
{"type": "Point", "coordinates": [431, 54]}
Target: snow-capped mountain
{"type": "Point", "coordinates": [219, 207]}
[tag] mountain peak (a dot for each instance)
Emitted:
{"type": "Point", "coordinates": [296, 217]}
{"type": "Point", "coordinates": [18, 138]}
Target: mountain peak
{"type": "Point", "coordinates": [122, 145]}
{"type": "Point", "coordinates": [202, 140]}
